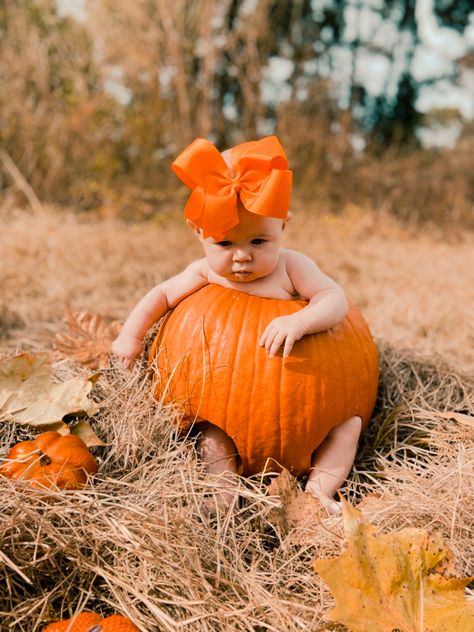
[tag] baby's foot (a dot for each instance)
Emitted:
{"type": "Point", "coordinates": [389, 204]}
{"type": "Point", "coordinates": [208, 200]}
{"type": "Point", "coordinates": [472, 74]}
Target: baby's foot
{"type": "Point", "coordinates": [219, 503]}
{"type": "Point", "coordinates": [330, 505]}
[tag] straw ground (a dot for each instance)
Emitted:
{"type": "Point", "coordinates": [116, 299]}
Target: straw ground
{"type": "Point", "coordinates": [137, 541]}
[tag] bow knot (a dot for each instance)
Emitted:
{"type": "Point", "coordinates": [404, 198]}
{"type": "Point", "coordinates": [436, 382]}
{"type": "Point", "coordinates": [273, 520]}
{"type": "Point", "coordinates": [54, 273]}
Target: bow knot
{"type": "Point", "coordinates": [236, 184]}
{"type": "Point", "coordinates": [262, 181]}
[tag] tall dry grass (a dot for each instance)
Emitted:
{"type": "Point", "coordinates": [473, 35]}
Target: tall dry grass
{"type": "Point", "coordinates": [55, 120]}
{"type": "Point", "coordinates": [175, 65]}
{"type": "Point", "coordinates": [137, 541]}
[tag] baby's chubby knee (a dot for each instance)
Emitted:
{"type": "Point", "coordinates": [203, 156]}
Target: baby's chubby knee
{"type": "Point", "coordinates": [354, 424]}
{"type": "Point", "coordinates": [348, 430]}
{"type": "Point", "coordinates": [217, 449]}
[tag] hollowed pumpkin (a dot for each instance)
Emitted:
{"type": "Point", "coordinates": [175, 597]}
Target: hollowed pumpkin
{"type": "Point", "coordinates": [50, 460]}
{"type": "Point", "coordinates": [277, 410]}
{"type": "Point", "coordinates": [92, 622]}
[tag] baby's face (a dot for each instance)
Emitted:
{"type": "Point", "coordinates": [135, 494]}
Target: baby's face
{"type": "Point", "coordinates": [249, 251]}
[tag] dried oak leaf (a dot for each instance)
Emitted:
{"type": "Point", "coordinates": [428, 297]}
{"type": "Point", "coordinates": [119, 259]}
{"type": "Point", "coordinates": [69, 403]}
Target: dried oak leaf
{"type": "Point", "coordinates": [84, 431]}
{"type": "Point", "coordinates": [28, 394]}
{"type": "Point", "coordinates": [297, 508]}
{"type": "Point", "coordinates": [89, 339]}
{"type": "Point", "coordinates": [396, 581]}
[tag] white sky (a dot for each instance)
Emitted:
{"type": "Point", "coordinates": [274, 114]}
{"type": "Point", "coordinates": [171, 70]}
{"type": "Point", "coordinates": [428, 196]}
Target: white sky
{"type": "Point", "coordinates": [445, 41]}
{"type": "Point", "coordinates": [441, 47]}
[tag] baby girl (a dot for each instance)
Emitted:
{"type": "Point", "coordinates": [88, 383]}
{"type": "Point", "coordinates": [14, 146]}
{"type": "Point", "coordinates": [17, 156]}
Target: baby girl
{"type": "Point", "coordinates": [238, 211]}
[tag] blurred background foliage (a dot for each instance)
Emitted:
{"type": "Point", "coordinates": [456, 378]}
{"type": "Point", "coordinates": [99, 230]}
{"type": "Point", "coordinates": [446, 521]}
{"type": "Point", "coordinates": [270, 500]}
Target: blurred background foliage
{"type": "Point", "coordinates": [98, 96]}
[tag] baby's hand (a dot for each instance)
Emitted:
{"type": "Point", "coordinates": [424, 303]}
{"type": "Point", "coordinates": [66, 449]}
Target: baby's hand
{"type": "Point", "coordinates": [284, 330]}
{"type": "Point", "coordinates": [127, 348]}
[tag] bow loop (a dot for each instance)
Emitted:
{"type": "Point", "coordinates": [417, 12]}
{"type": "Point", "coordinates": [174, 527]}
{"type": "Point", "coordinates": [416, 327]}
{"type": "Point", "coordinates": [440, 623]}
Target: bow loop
{"type": "Point", "coordinates": [261, 179]}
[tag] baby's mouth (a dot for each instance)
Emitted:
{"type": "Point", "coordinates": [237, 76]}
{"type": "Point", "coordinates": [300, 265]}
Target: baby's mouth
{"type": "Point", "coordinates": [241, 273]}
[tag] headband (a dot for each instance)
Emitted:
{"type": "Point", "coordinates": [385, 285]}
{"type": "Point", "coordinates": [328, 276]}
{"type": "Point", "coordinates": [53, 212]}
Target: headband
{"type": "Point", "coordinates": [262, 180]}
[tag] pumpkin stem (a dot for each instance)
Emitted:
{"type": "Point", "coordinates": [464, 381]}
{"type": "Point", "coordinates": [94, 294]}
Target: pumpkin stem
{"type": "Point", "coordinates": [44, 459]}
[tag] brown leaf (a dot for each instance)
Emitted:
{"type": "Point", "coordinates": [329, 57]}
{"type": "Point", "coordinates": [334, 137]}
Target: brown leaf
{"type": "Point", "coordinates": [89, 339]}
{"type": "Point", "coordinates": [84, 431]}
{"type": "Point", "coordinates": [401, 580]}
{"type": "Point", "coordinates": [28, 394]}
{"type": "Point", "coordinates": [297, 509]}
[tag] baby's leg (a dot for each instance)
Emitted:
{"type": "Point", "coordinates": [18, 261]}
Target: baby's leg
{"type": "Point", "coordinates": [332, 462]}
{"type": "Point", "coordinates": [219, 454]}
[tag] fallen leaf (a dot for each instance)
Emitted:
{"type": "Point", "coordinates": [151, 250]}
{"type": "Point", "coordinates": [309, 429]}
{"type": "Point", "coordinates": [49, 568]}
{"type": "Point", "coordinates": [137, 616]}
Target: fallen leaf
{"type": "Point", "coordinates": [84, 431]}
{"type": "Point", "coordinates": [373, 506]}
{"type": "Point", "coordinates": [297, 508]}
{"type": "Point", "coordinates": [89, 339]}
{"type": "Point", "coordinates": [396, 581]}
{"type": "Point", "coordinates": [467, 420]}
{"type": "Point", "coordinates": [28, 394]}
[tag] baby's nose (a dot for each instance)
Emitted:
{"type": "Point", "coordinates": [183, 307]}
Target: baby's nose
{"type": "Point", "coordinates": [242, 255]}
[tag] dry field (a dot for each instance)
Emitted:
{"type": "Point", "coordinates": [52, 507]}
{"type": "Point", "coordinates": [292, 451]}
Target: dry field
{"type": "Point", "coordinates": [137, 542]}
{"type": "Point", "coordinates": [415, 290]}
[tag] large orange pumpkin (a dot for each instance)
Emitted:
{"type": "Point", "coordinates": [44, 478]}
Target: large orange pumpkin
{"type": "Point", "coordinates": [92, 622]}
{"type": "Point", "coordinates": [277, 410]}
{"type": "Point", "coordinates": [50, 460]}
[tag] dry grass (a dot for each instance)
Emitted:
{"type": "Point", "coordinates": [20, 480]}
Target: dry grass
{"type": "Point", "coordinates": [136, 541]}
{"type": "Point", "coordinates": [414, 289]}
{"type": "Point", "coordinates": [178, 67]}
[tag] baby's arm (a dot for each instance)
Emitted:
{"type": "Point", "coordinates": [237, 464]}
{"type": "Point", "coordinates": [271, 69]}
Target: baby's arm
{"type": "Point", "coordinates": [128, 345]}
{"type": "Point", "coordinates": [327, 305]}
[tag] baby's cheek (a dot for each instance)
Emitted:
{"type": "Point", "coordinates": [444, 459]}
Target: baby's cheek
{"type": "Point", "coordinates": [271, 261]}
{"type": "Point", "coordinates": [218, 264]}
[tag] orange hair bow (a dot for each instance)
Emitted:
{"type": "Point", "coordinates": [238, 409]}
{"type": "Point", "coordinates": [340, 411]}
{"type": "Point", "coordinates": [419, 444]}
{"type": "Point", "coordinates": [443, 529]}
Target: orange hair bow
{"type": "Point", "coordinates": [261, 179]}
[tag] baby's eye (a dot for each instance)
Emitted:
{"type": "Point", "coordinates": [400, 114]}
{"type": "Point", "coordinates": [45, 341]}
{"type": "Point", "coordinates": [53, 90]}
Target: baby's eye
{"type": "Point", "coordinates": [258, 242]}
{"type": "Point", "coordinates": [225, 243]}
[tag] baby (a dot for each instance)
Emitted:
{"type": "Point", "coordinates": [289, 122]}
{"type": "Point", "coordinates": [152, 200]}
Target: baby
{"type": "Point", "coordinates": [238, 211]}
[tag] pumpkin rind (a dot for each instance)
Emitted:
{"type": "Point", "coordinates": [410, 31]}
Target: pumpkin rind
{"type": "Point", "coordinates": [90, 621]}
{"type": "Point", "coordinates": [207, 358]}
{"type": "Point", "coordinates": [50, 460]}
{"type": "Point", "coordinates": [82, 623]}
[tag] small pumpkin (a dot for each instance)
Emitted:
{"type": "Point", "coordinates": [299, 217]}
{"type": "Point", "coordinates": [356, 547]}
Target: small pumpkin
{"type": "Point", "coordinates": [93, 622]}
{"type": "Point", "coordinates": [207, 358]}
{"type": "Point", "coordinates": [51, 460]}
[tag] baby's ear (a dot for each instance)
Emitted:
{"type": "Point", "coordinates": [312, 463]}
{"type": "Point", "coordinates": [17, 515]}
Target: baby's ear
{"type": "Point", "coordinates": [285, 221]}
{"type": "Point", "coordinates": [196, 230]}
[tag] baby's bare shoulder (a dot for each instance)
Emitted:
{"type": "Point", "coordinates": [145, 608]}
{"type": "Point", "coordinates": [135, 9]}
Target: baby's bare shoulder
{"type": "Point", "coordinates": [199, 267]}
{"type": "Point", "coordinates": [192, 278]}
{"type": "Point", "coordinates": [294, 259]}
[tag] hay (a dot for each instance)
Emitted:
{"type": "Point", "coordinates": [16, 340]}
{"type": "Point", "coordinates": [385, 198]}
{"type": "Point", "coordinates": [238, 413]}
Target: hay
{"type": "Point", "coordinates": [137, 541]}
